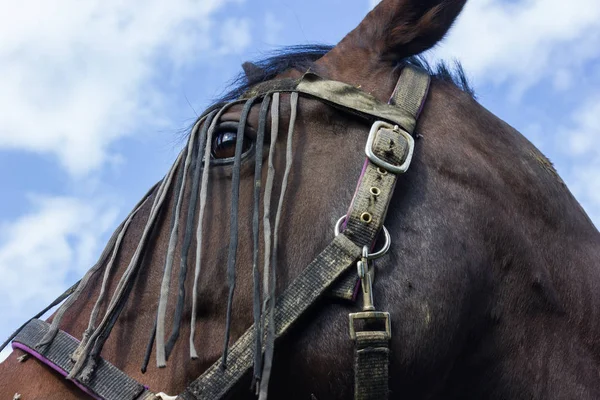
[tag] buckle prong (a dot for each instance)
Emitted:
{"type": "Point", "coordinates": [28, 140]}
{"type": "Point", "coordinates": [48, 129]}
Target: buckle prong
{"type": "Point", "coordinates": [394, 169]}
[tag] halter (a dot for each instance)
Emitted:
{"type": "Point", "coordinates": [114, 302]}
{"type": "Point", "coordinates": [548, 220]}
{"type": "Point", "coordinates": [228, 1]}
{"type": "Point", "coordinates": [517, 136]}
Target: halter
{"type": "Point", "coordinates": [388, 152]}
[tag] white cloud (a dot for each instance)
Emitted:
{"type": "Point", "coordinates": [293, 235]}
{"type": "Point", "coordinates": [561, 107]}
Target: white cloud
{"type": "Point", "coordinates": [235, 35]}
{"type": "Point", "coordinates": [580, 142]}
{"type": "Point", "coordinates": [77, 75]}
{"type": "Point", "coordinates": [373, 3]}
{"type": "Point", "coordinates": [524, 42]}
{"type": "Point", "coordinates": [46, 248]}
{"type": "Point", "coordinates": [584, 138]}
{"type": "Point", "coordinates": [273, 28]}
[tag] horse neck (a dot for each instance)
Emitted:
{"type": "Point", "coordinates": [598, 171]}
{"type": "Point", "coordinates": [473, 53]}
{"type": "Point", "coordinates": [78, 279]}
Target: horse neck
{"type": "Point", "coordinates": [503, 200]}
{"type": "Point", "coordinates": [467, 145]}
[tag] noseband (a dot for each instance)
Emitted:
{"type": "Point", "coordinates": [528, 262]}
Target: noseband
{"type": "Point", "coordinates": [389, 151]}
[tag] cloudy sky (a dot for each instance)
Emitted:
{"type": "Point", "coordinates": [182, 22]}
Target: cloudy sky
{"type": "Point", "coordinates": [94, 96]}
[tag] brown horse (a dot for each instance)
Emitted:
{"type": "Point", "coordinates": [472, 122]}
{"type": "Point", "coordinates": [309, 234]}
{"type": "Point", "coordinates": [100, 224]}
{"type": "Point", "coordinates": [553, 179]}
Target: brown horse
{"type": "Point", "coordinates": [489, 281]}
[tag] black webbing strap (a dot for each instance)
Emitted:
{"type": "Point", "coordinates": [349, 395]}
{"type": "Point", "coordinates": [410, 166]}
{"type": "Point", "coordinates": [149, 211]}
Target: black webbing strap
{"type": "Point", "coordinates": [411, 91]}
{"type": "Point", "coordinates": [409, 97]}
{"type": "Point", "coordinates": [107, 382]}
{"type": "Point", "coordinates": [216, 382]}
{"type": "Point", "coordinates": [371, 359]}
{"type": "Point", "coordinates": [363, 223]}
{"type": "Point", "coordinates": [371, 348]}
{"type": "Point", "coordinates": [371, 351]}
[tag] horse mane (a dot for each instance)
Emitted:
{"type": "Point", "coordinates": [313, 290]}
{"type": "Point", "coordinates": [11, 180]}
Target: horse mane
{"type": "Point", "coordinates": [303, 57]}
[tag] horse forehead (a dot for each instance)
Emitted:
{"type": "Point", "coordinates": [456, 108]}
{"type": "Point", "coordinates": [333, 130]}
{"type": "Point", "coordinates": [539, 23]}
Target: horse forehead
{"type": "Point", "coordinates": [306, 106]}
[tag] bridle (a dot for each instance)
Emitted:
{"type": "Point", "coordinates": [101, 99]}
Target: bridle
{"type": "Point", "coordinates": [389, 151]}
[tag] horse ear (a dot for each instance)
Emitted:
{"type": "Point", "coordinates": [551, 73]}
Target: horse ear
{"type": "Point", "coordinates": [396, 29]}
{"type": "Point", "coordinates": [253, 72]}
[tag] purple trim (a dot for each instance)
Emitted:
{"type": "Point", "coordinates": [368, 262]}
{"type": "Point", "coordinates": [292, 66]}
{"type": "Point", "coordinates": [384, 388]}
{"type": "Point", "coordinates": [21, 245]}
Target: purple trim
{"type": "Point", "coordinates": [362, 174]}
{"type": "Point", "coordinates": [393, 93]}
{"type": "Point", "coordinates": [55, 367]}
{"type": "Point", "coordinates": [423, 102]}
{"type": "Point", "coordinates": [356, 288]}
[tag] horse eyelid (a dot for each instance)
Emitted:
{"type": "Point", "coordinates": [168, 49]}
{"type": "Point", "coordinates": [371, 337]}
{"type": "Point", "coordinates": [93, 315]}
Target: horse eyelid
{"type": "Point", "coordinates": [231, 126]}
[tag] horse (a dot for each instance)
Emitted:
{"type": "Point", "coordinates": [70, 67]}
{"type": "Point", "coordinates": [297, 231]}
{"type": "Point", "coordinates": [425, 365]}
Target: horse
{"type": "Point", "coordinates": [489, 280]}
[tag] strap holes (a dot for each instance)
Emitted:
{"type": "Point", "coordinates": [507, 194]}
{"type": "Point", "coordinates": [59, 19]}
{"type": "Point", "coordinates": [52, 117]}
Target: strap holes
{"type": "Point", "coordinates": [366, 217]}
{"type": "Point", "coordinates": [375, 191]}
{"type": "Point", "coordinates": [381, 171]}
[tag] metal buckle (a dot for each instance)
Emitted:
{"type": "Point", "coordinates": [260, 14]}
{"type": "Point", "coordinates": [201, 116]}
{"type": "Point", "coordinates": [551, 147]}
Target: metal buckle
{"type": "Point", "coordinates": [394, 169]}
{"type": "Point", "coordinates": [370, 315]}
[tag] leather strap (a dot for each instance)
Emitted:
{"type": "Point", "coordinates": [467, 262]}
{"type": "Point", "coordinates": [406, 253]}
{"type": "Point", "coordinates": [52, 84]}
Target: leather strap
{"type": "Point", "coordinates": [411, 91]}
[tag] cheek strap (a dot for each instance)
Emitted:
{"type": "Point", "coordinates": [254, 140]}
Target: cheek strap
{"type": "Point", "coordinates": [364, 220]}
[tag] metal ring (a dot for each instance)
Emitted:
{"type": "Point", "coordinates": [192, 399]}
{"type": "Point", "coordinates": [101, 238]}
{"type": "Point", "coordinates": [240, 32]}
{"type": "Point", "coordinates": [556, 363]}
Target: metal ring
{"type": "Point", "coordinates": [338, 225]}
{"type": "Point", "coordinates": [371, 256]}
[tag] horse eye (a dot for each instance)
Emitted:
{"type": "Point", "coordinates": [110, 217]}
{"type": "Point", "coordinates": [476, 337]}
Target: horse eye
{"type": "Point", "coordinates": [224, 145]}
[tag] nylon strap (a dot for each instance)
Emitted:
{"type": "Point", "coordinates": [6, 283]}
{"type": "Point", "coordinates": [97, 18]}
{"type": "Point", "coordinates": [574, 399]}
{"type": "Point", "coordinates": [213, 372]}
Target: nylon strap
{"type": "Point", "coordinates": [371, 351]}
{"type": "Point", "coordinates": [411, 91]}
{"type": "Point", "coordinates": [409, 96]}
{"type": "Point", "coordinates": [107, 382]}
{"type": "Point", "coordinates": [371, 359]}
{"type": "Point", "coordinates": [354, 100]}
{"type": "Point", "coordinates": [364, 220]}
{"type": "Point", "coordinates": [216, 382]}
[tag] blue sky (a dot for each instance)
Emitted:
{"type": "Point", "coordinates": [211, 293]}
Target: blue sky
{"type": "Point", "coordinates": [94, 95]}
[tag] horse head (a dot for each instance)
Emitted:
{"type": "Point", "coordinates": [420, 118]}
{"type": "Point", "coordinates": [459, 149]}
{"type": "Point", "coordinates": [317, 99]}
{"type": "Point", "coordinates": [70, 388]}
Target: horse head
{"type": "Point", "coordinates": [487, 281]}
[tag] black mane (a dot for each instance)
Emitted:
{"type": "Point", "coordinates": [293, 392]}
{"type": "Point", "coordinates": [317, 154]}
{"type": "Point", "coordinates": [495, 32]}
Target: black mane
{"type": "Point", "coordinates": [303, 57]}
